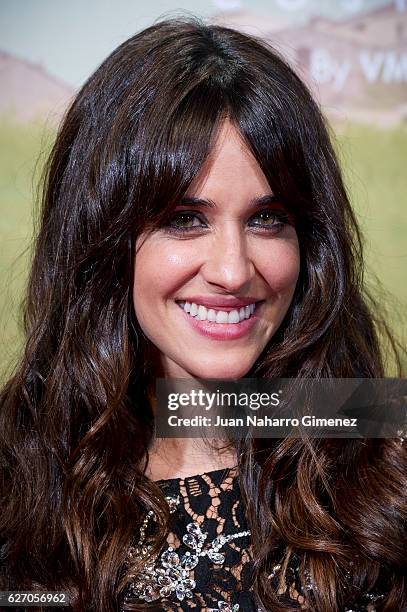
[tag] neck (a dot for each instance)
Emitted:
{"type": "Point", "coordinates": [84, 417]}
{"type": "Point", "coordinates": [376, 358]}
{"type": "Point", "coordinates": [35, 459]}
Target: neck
{"type": "Point", "coordinates": [182, 457]}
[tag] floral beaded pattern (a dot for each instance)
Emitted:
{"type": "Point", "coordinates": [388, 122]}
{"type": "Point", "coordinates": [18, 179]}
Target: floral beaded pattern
{"type": "Point", "coordinates": [171, 574]}
{"type": "Point", "coordinates": [206, 564]}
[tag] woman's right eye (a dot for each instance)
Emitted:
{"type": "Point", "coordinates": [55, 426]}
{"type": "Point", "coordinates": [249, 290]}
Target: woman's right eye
{"type": "Point", "coordinates": [183, 222]}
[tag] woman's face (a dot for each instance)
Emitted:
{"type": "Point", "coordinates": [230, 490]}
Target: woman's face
{"type": "Point", "coordinates": [228, 246]}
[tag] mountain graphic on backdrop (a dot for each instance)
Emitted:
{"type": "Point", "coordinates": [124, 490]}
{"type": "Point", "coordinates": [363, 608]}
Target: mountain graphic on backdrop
{"type": "Point", "coordinates": [29, 92]}
{"type": "Point", "coordinates": [356, 67]}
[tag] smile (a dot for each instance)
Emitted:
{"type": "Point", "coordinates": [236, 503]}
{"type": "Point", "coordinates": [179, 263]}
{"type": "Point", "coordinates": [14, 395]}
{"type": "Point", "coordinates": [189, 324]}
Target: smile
{"type": "Point", "coordinates": [201, 313]}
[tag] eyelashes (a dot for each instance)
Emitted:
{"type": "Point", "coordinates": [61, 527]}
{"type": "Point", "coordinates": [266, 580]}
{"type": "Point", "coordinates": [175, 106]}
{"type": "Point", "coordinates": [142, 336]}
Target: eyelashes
{"type": "Point", "coordinates": [274, 222]}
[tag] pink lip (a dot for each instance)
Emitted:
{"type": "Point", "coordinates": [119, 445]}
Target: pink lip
{"type": "Point", "coordinates": [222, 302]}
{"type": "Point", "coordinates": [222, 331]}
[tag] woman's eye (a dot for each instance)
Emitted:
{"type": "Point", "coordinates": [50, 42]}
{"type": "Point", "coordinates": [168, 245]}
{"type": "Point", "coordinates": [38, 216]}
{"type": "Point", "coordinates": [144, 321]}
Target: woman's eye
{"type": "Point", "coordinates": [183, 221]}
{"type": "Point", "coordinates": [270, 219]}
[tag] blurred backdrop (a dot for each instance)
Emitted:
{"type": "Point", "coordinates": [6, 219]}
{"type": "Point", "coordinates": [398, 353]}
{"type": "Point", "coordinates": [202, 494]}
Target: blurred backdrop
{"type": "Point", "coordinates": [352, 54]}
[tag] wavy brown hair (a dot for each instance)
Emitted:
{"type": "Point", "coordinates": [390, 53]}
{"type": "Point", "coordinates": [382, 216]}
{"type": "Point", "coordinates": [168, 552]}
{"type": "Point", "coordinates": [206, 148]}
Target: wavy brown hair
{"type": "Point", "coordinates": [76, 422]}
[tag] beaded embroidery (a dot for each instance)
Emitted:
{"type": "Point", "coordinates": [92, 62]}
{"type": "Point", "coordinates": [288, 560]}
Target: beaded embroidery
{"type": "Point", "coordinates": [172, 573]}
{"type": "Point", "coordinates": [198, 571]}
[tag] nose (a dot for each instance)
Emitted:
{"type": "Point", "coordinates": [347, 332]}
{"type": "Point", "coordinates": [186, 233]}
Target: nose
{"type": "Point", "coordinates": [228, 264]}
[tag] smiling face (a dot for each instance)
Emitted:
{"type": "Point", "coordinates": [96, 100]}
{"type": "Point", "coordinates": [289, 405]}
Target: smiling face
{"type": "Point", "coordinates": [212, 287]}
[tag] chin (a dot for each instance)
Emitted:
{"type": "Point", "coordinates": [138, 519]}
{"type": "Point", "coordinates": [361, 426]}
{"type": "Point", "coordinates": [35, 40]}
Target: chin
{"type": "Point", "coordinates": [225, 371]}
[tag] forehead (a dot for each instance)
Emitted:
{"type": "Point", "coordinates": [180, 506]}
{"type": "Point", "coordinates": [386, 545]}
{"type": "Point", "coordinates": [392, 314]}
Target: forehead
{"type": "Point", "coordinates": [230, 165]}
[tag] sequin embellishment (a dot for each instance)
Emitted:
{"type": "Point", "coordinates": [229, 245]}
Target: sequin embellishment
{"type": "Point", "coordinates": [171, 574]}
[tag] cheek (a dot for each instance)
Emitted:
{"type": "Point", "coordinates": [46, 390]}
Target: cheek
{"type": "Point", "coordinates": [159, 270]}
{"type": "Point", "coordinates": [281, 266]}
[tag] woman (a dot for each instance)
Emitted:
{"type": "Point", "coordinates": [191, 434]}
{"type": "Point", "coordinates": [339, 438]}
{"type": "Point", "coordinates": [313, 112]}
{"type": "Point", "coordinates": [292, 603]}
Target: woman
{"type": "Point", "coordinates": [193, 179]}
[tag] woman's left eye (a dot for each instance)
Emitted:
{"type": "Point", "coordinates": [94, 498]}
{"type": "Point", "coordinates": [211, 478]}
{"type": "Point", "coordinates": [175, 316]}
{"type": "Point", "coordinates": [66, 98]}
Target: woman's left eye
{"type": "Point", "coordinates": [271, 219]}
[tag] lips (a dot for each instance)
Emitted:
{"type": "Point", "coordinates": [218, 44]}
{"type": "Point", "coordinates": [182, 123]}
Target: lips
{"type": "Point", "coordinates": [222, 329]}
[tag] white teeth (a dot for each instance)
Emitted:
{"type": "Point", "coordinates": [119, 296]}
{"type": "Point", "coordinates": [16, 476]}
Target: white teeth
{"type": "Point", "coordinates": [221, 316]}
{"type": "Point", "coordinates": [233, 316]}
{"type": "Point", "coordinates": [211, 315]}
{"type": "Point", "coordinates": [202, 313]}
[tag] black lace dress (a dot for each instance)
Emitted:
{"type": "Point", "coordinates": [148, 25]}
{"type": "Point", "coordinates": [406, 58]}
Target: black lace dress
{"type": "Point", "coordinates": [206, 564]}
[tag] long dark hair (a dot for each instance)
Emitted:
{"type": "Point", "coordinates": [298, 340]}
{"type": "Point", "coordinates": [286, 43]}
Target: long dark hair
{"type": "Point", "coordinates": [76, 421]}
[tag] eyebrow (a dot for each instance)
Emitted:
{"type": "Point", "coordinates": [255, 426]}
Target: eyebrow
{"type": "Point", "coordinates": [254, 203]}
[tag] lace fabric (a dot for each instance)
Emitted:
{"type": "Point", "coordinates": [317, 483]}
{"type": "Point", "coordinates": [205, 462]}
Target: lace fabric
{"type": "Point", "coordinates": [206, 564]}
